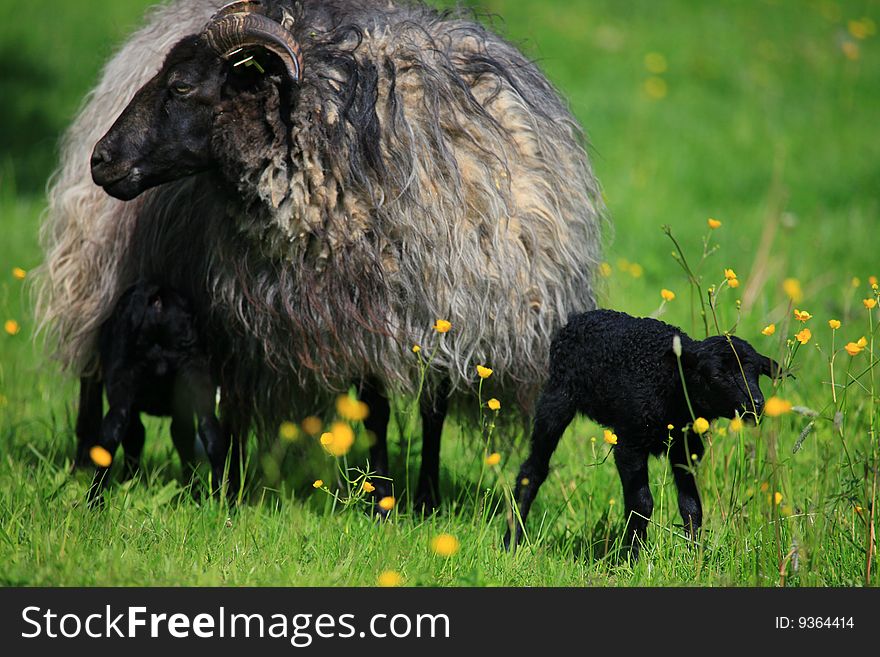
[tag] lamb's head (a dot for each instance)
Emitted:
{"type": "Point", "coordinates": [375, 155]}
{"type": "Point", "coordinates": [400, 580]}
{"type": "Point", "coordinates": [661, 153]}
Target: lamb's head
{"type": "Point", "coordinates": [165, 132]}
{"type": "Point", "coordinates": [722, 376]}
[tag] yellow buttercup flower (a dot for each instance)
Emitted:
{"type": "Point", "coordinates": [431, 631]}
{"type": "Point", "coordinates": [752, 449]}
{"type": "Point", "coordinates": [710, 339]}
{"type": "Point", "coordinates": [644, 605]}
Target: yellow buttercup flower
{"type": "Point", "coordinates": [656, 87]}
{"type": "Point", "coordinates": [729, 274]}
{"type": "Point", "coordinates": [736, 424]}
{"type": "Point", "coordinates": [655, 63]}
{"type": "Point", "coordinates": [668, 295]}
{"type": "Point", "coordinates": [19, 274]}
{"type": "Point", "coordinates": [605, 269]}
{"type": "Point", "coordinates": [493, 459]}
{"type": "Point", "coordinates": [775, 406]}
{"type": "Point", "coordinates": [733, 283]}
{"type": "Point", "coordinates": [701, 425]}
{"type": "Point", "coordinates": [777, 497]}
{"type": "Point", "coordinates": [792, 289]}
{"type": "Point", "coordinates": [802, 315]}
{"type": "Point", "coordinates": [609, 437]}
{"type": "Point", "coordinates": [416, 348]}
{"type": "Point", "coordinates": [870, 304]}
{"type": "Point", "coordinates": [494, 404]}
{"type": "Point", "coordinates": [318, 483]}
{"type": "Point", "coordinates": [368, 487]}
{"type": "Point", "coordinates": [351, 409]}
{"type": "Point", "coordinates": [442, 326]}
{"type": "Point", "coordinates": [872, 281]}
{"type": "Point", "coordinates": [288, 431]}
{"type": "Point", "coordinates": [100, 456]}
{"type": "Point", "coordinates": [12, 327]}
{"type": "Point", "coordinates": [834, 324]}
{"type": "Point", "coordinates": [338, 440]}
{"type": "Point", "coordinates": [444, 545]}
{"type": "Point", "coordinates": [484, 372]}
{"type": "Point", "coordinates": [862, 342]}
{"type": "Point", "coordinates": [636, 270]}
{"type": "Point", "coordinates": [770, 329]}
{"type": "Point", "coordinates": [853, 349]}
{"type": "Point", "coordinates": [714, 224]}
{"type": "Point", "coordinates": [387, 503]}
{"type": "Point", "coordinates": [389, 579]}
{"type": "Point", "coordinates": [312, 425]}
{"type": "Point", "coordinates": [803, 336]}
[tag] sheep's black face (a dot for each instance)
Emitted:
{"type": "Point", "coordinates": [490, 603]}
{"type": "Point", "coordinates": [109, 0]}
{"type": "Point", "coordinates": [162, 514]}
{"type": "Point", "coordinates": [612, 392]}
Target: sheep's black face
{"type": "Point", "coordinates": [165, 132]}
{"type": "Point", "coordinates": [724, 378]}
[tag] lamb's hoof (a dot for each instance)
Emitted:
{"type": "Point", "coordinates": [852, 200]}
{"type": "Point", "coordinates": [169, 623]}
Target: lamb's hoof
{"type": "Point", "coordinates": [96, 501]}
{"type": "Point", "coordinates": [426, 504]}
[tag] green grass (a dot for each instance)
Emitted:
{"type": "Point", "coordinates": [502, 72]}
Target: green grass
{"type": "Point", "coordinates": [766, 124]}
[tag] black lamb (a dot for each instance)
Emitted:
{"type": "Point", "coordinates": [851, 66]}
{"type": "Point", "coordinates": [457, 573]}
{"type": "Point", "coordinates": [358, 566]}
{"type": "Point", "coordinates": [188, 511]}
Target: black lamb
{"type": "Point", "coordinates": [152, 362]}
{"type": "Point", "coordinates": [623, 373]}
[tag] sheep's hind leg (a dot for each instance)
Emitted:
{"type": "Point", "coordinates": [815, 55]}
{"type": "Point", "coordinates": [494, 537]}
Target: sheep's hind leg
{"type": "Point", "coordinates": [638, 502]}
{"type": "Point", "coordinates": [434, 405]}
{"type": "Point", "coordinates": [682, 462]}
{"type": "Point", "coordinates": [554, 413]}
{"type": "Point", "coordinates": [376, 424]}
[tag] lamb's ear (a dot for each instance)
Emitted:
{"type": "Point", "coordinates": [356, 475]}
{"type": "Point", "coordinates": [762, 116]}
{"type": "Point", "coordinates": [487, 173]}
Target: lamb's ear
{"type": "Point", "coordinates": [690, 359]}
{"type": "Point", "coordinates": [137, 308]}
{"type": "Point", "coordinates": [772, 369]}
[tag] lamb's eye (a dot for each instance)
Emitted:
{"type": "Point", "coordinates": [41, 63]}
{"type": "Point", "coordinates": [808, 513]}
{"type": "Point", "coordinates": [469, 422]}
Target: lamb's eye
{"type": "Point", "coordinates": [181, 88]}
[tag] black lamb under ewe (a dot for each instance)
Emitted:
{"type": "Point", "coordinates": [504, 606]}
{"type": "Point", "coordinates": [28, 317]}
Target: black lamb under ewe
{"type": "Point", "coordinates": [151, 362]}
{"type": "Point", "coordinates": [622, 372]}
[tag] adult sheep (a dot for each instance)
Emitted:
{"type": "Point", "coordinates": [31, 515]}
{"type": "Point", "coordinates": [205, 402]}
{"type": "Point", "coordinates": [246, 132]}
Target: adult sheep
{"type": "Point", "coordinates": [380, 165]}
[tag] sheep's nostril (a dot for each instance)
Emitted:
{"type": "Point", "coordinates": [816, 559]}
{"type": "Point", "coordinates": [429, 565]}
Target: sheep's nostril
{"type": "Point", "coordinates": [101, 155]}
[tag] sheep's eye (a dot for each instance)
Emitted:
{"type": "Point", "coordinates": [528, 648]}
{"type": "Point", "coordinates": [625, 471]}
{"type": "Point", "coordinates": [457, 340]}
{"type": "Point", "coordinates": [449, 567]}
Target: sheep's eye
{"type": "Point", "coordinates": [181, 88]}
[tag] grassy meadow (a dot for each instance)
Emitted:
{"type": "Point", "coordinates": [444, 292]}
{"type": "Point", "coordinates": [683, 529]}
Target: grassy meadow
{"type": "Point", "coordinates": [762, 115]}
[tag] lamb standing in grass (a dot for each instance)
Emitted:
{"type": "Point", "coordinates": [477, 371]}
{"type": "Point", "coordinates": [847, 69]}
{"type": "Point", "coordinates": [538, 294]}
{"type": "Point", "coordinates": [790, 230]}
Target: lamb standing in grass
{"type": "Point", "coordinates": [622, 372]}
{"type": "Point", "coordinates": [152, 361]}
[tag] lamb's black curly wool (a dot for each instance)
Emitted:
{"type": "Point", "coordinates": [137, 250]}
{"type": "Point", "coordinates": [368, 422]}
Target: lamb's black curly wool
{"type": "Point", "coordinates": [622, 372]}
{"type": "Point", "coordinates": [152, 361]}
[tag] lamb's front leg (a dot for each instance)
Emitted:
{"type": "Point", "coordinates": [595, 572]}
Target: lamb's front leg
{"type": "Point", "coordinates": [632, 466]}
{"type": "Point", "coordinates": [120, 395]}
{"type": "Point", "coordinates": [681, 458]}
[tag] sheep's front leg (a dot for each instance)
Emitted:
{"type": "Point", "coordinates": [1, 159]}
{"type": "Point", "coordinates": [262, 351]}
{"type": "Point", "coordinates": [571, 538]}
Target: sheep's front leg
{"type": "Point", "coordinates": [434, 405]}
{"type": "Point", "coordinates": [376, 424]}
{"type": "Point", "coordinates": [632, 466]}
{"type": "Point", "coordinates": [554, 412]}
{"type": "Point", "coordinates": [681, 458]}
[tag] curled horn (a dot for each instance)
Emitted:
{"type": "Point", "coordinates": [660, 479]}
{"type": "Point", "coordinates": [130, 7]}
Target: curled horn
{"type": "Point", "coordinates": [241, 25]}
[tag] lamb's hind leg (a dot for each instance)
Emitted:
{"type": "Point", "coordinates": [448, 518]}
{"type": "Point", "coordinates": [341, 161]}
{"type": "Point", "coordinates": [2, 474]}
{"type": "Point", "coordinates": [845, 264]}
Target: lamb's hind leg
{"type": "Point", "coordinates": [555, 411]}
{"type": "Point", "coordinates": [681, 458]}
